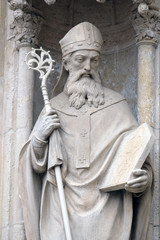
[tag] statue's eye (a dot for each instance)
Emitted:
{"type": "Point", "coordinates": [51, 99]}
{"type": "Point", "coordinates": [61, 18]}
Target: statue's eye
{"type": "Point", "coordinates": [80, 59]}
{"type": "Point", "coordinates": [95, 60]}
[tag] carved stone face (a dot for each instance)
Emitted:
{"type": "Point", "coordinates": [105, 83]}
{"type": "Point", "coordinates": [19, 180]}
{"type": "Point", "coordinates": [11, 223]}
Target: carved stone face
{"type": "Point", "coordinates": [83, 84]}
{"type": "Point", "coordinates": [85, 60]}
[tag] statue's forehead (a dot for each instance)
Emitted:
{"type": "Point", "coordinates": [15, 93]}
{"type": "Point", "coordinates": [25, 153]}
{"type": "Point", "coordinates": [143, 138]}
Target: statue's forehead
{"type": "Point", "coordinates": [85, 52]}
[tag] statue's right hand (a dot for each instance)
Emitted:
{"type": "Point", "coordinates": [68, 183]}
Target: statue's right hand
{"type": "Point", "coordinates": [48, 123]}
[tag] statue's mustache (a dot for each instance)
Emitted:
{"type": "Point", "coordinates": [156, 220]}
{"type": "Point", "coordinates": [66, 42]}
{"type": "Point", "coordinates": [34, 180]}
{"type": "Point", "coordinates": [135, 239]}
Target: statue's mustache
{"type": "Point", "coordinates": [87, 75]}
{"type": "Point", "coordinates": [76, 76]}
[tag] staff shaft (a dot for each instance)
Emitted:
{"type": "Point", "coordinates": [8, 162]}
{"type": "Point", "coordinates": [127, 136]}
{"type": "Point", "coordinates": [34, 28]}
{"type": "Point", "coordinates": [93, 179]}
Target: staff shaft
{"type": "Point", "coordinates": [43, 63]}
{"type": "Point", "coordinates": [59, 175]}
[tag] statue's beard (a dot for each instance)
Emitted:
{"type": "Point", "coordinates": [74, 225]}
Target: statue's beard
{"type": "Point", "coordinates": [84, 89]}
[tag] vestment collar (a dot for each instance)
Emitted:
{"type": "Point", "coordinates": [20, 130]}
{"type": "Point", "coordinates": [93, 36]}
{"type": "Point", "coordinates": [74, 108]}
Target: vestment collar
{"type": "Point", "coordinates": [61, 103]}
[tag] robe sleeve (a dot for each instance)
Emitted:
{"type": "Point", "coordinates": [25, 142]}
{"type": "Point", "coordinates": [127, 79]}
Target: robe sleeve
{"type": "Point", "coordinates": [30, 185]}
{"type": "Point", "coordinates": [39, 155]}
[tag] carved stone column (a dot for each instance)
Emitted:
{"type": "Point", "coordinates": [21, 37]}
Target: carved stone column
{"type": "Point", "coordinates": [17, 115]}
{"type": "Point", "coordinates": [146, 22]}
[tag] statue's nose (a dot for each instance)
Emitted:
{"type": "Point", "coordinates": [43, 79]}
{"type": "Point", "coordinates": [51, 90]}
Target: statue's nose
{"type": "Point", "coordinates": [87, 66]}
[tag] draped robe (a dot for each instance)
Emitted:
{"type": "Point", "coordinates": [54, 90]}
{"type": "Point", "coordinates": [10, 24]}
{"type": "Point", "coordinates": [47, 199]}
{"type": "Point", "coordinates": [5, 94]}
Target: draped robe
{"type": "Point", "coordinates": [91, 136]}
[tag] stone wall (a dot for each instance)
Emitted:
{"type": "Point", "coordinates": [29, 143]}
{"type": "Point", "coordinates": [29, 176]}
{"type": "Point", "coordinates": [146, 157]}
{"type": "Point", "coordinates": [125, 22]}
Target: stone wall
{"type": "Point", "coordinates": [119, 71]}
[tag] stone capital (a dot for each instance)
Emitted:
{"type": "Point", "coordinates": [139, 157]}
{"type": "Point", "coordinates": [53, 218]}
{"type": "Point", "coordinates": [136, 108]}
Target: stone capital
{"type": "Point", "coordinates": [146, 22]}
{"type": "Point", "coordinates": [26, 25]}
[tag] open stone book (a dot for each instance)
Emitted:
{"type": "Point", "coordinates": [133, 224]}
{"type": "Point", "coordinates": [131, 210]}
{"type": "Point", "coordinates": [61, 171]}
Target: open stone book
{"type": "Point", "coordinates": [131, 155]}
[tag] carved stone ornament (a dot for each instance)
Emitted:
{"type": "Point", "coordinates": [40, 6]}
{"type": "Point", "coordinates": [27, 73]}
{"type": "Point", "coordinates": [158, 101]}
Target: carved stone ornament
{"type": "Point", "coordinates": [19, 4]}
{"type": "Point", "coordinates": [146, 22]}
{"type": "Point", "coordinates": [50, 2]}
{"type": "Point", "coordinates": [143, 8]}
{"type": "Point", "coordinates": [26, 27]}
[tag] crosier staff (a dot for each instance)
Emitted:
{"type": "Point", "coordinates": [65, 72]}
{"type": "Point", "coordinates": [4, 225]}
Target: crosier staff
{"type": "Point", "coordinates": [43, 63]}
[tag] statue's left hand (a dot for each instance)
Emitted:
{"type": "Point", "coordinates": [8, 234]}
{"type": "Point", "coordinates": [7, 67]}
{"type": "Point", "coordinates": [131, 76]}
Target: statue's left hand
{"type": "Point", "coordinates": [140, 181]}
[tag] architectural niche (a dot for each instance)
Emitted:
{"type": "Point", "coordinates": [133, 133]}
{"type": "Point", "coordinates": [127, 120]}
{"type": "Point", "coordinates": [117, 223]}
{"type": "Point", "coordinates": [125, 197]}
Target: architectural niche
{"type": "Point", "coordinates": [116, 26]}
{"type": "Point", "coordinates": [44, 23]}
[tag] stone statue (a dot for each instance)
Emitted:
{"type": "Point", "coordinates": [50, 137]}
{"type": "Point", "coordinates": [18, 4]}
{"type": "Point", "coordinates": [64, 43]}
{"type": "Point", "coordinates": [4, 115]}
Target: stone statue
{"type": "Point", "coordinates": [92, 121]}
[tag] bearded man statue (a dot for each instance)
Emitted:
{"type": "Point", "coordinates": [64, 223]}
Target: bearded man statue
{"type": "Point", "coordinates": [92, 121]}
